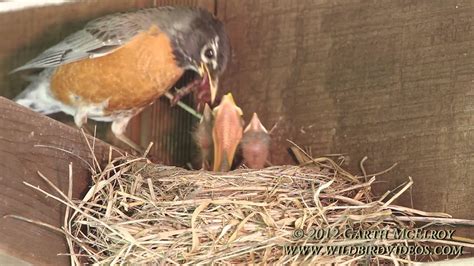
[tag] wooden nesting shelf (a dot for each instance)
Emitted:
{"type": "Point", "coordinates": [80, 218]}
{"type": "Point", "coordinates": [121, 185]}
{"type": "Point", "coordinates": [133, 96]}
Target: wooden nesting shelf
{"type": "Point", "coordinates": [30, 142]}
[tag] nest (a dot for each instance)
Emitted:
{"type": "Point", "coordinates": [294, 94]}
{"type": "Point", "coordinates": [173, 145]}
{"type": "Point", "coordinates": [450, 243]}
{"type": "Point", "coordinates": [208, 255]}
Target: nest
{"type": "Point", "coordinates": [137, 212]}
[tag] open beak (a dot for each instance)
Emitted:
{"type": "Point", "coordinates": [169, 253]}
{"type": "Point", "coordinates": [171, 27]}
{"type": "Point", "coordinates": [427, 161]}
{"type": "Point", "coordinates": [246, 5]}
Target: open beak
{"type": "Point", "coordinates": [227, 133]}
{"type": "Point", "coordinates": [213, 79]}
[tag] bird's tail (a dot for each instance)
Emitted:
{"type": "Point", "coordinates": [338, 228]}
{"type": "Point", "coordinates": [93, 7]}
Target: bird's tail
{"type": "Point", "coordinates": [37, 96]}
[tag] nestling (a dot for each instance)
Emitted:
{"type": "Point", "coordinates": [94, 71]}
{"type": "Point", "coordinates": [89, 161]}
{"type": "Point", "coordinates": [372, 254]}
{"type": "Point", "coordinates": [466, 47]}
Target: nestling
{"type": "Point", "coordinates": [255, 144]}
{"type": "Point", "coordinates": [203, 138]}
{"type": "Point", "coordinates": [227, 132]}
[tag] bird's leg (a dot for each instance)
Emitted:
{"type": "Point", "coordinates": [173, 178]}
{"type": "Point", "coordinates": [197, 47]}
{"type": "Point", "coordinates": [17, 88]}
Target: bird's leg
{"type": "Point", "coordinates": [119, 127]}
{"type": "Point", "coordinates": [80, 119]}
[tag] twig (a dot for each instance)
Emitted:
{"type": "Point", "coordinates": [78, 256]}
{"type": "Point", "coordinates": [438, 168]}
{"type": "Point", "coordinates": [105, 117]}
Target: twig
{"type": "Point", "coordinates": [24, 219]}
{"type": "Point", "coordinates": [184, 106]}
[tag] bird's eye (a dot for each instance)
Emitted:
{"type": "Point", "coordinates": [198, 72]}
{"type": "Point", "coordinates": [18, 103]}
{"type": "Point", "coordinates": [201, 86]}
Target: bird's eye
{"type": "Point", "coordinates": [209, 53]}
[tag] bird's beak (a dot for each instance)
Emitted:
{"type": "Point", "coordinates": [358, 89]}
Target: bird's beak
{"type": "Point", "coordinates": [212, 77]}
{"type": "Point", "coordinates": [227, 133]}
{"type": "Point", "coordinates": [207, 114]}
{"type": "Point", "coordinates": [255, 125]}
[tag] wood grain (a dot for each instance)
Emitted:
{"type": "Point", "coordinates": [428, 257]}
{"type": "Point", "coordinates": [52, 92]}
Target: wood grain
{"type": "Point", "coordinates": [391, 80]}
{"type": "Point", "coordinates": [21, 131]}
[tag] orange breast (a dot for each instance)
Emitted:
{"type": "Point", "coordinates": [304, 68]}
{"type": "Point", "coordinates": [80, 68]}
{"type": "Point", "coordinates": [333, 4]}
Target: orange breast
{"type": "Point", "coordinates": [130, 77]}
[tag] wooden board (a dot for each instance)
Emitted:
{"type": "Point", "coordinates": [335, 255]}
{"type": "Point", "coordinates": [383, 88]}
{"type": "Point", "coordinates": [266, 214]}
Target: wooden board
{"type": "Point", "coordinates": [391, 80]}
{"type": "Point", "coordinates": [30, 142]}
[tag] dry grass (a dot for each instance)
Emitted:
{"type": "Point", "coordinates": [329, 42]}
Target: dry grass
{"type": "Point", "coordinates": [138, 212]}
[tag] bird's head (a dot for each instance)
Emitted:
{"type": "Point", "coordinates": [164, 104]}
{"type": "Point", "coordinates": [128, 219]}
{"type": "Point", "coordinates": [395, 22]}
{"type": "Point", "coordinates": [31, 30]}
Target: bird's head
{"type": "Point", "coordinates": [202, 45]}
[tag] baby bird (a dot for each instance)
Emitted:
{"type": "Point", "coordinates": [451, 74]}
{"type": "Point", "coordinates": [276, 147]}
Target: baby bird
{"type": "Point", "coordinates": [226, 133]}
{"type": "Point", "coordinates": [255, 144]}
{"type": "Point", "coordinates": [203, 137]}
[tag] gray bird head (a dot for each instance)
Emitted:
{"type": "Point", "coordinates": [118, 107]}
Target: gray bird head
{"type": "Point", "coordinates": [200, 44]}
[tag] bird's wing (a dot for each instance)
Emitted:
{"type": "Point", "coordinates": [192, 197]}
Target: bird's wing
{"type": "Point", "coordinates": [98, 38]}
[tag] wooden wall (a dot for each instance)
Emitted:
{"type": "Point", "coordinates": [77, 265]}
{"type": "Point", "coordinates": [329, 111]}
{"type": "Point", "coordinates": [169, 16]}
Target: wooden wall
{"type": "Point", "coordinates": [391, 80]}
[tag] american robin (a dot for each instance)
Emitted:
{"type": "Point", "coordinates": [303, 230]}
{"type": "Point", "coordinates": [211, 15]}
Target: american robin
{"type": "Point", "coordinates": [255, 144]}
{"type": "Point", "coordinates": [203, 137]}
{"type": "Point", "coordinates": [119, 64]}
{"type": "Point", "coordinates": [226, 133]}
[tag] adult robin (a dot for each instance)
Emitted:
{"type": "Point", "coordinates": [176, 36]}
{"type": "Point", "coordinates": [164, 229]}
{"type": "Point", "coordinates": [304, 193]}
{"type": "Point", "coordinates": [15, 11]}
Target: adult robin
{"type": "Point", "coordinates": [119, 64]}
{"type": "Point", "coordinates": [226, 133]}
{"type": "Point", "coordinates": [255, 144]}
